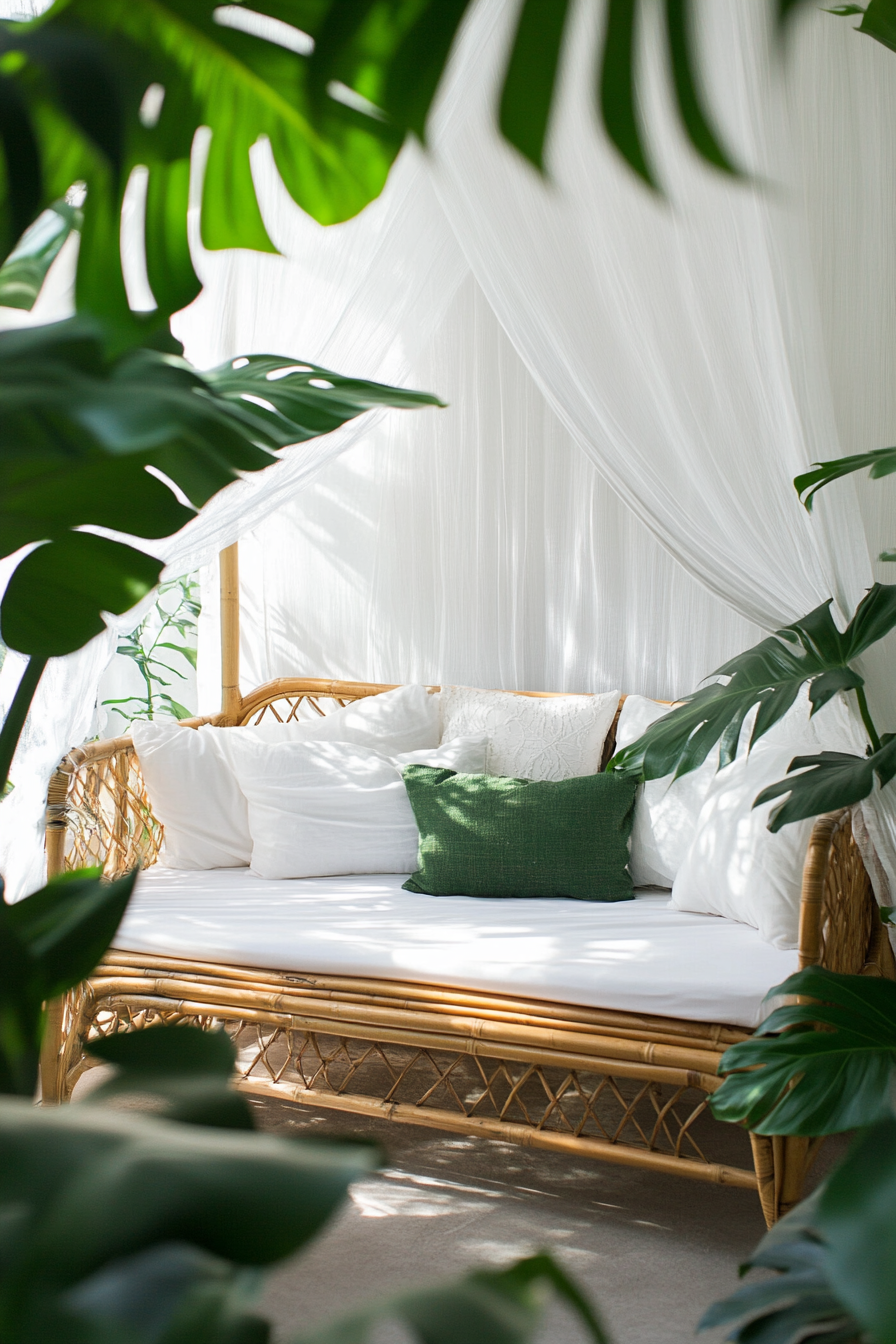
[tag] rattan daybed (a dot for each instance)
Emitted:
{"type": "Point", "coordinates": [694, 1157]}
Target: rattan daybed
{"type": "Point", "coordinates": [622, 1086]}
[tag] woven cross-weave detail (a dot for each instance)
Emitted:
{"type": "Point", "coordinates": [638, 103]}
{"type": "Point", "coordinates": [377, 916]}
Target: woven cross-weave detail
{"type": "Point", "coordinates": [647, 1115]}
{"type": "Point", "coordinates": [848, 907]}
{"type": "Point", "coordinates": [286, 709]}
{"type": "Point", "coordinates": [107, 815]}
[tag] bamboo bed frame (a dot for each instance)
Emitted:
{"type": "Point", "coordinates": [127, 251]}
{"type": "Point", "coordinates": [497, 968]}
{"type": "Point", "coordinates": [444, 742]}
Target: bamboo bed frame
{"type": "Point", "coordinates": [594, 1083]}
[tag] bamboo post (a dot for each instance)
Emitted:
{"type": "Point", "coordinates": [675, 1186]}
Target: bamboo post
{"type": "Point", "coordinates": [231, 701]}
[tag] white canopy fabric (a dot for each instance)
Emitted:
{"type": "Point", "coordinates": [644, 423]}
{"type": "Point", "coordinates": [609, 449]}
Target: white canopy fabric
{"type": "Point", "coordinates": [633, 384]}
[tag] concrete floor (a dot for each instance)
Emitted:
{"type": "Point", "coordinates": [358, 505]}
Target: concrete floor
{"type": "Point", "coordinates": [651, 1251]}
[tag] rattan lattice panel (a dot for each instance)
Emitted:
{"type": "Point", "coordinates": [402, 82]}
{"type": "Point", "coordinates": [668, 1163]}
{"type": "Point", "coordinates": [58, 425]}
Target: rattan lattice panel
{"type": "Point", "coordinates": [295, 708]}
{"type": "Point", "coordinates": [106, 814]}
{"type": "Point", "coordinates": [544, 1098]}
{"type": "Point", "coordinates": [848, 908]}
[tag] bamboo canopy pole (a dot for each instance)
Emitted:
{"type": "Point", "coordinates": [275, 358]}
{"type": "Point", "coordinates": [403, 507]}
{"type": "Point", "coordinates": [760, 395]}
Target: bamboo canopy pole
{"type": "Point", "coordinates": [231, 700]}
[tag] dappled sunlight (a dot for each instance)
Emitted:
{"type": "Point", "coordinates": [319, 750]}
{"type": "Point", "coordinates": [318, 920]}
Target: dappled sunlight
{"type": "Point", "coordinates": [405, 1194]}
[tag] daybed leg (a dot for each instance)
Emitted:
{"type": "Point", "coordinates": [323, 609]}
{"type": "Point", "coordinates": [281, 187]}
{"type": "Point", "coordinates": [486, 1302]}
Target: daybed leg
{"type": "Point", "coordinates": [764, 1163]}
{"type": "Point", "coordinates": [51, 1053]}
{"type": "Point", "coordinates": [794, 1163]}
{"type": "Point", "coordinates": [781, 1164]}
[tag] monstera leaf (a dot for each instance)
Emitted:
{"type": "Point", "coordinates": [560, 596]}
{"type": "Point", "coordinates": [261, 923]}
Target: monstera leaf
{"type": "Point", "coordinates": [93, 89]}
{"type": "Point", "coordinates": [881, 462]}
{"type": "Point", "coordinates": [92, 1201]}
{"type": "Point", "coordinates": [186, 1071]}
{"type": "Point", "coordinates": [769, 675]}
{"type": "Point", "coordinates": [855, 1219]}
{"type": "Point", "coordinates": [78, 430]}
{"type": "Point", "coordinates": [81, 432]}
{"type": "Point", "coordinates": [49, 942]}
{"type": "Point", "coordinates": [827, 782]}
{"type": "Point", "coordinates": [798, 1305]}
{"type": "Point", "coordinates": [818, 1067]}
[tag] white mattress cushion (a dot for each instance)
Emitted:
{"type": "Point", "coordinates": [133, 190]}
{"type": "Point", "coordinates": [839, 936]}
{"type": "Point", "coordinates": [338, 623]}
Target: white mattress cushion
{"type": "Point", "coordinates": [530, 737]}
{"type": "Point", "coordinates": [327, 808]}
{"type": "Point", "coordinates": [635, 956]}
{"type": "Point", "coordinates": [666, 810]}
{"type": "Point", "coordinates": [196, 798]}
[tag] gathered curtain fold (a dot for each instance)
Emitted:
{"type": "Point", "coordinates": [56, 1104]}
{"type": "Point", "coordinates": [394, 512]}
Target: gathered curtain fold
{"type": "Point", "coordinates": [677, 338]}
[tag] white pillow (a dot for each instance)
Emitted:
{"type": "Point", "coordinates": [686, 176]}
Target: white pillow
{"type": "Point", "coordinates": [322, 809]}
{"type": "Point", "coordinates": [666, 812]}
{"type": "Point", "coordinates": [554, 738]}
{"type": "Point", "coordinates": [735, 866]}
{"type": "Point", "coordinates": [195, 796]}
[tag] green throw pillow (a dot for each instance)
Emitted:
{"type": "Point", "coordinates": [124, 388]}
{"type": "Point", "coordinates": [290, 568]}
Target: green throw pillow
{"type": "Point", "coordinates": [487, 835]}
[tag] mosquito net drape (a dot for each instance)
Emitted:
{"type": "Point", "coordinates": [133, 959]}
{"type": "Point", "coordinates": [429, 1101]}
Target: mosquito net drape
{"type": "Point", "coordinates": [632, 384]}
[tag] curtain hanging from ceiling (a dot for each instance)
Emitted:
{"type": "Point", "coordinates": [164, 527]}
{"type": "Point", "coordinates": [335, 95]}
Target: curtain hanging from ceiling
{"type": "Point", "coordinates": [678, 339]}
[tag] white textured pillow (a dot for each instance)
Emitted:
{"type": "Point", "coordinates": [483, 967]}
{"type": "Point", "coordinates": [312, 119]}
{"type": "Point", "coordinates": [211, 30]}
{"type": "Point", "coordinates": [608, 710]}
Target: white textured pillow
{"type": "Point", "coordinates": [735, 866]}
{"type": "Point", "coordinates": [557, 737]}
{"type": "Point", "coordinates": [321, 809]}
{"type": "Point", "coordinates": [194, 795]}
{"type": "Point", "coordinates": [666, 812]}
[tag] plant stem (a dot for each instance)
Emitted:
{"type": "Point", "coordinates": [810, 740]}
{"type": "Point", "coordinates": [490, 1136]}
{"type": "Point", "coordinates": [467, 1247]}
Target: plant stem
{"type": "Point", "coordinates": [18, 712]}
{"type": "Point", "coordinates": [866, 718]}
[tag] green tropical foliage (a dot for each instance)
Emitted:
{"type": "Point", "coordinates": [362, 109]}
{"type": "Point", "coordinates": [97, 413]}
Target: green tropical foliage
{"type": "Point", "coordinates": [503, 1306]}
{"type": "Point", "coordinates": [49, 942]}
{"type": "Point", "coordinates": [78, 430]}
{"type": "Point", "coordinates": [96, 88]}
{"type": "Point", "coordinates": [798, 1305]}
{"type": "Point", "coordinates": [769, 675]}
{"type": "Point", "coordinates": [834, 1253]}
{"type": "Point", "coordinates": [881, 462]}
{"type": "Point", "coordinates": [186, 1071]}
{"type": "Point", "coordinates": [175, 613]}
{"type": "Point", "coordinates": [121, 1226]}
{"type": "Point", "coordinates": [828, 781]}
{"type": "Point", "coordinates": [820, 1066]}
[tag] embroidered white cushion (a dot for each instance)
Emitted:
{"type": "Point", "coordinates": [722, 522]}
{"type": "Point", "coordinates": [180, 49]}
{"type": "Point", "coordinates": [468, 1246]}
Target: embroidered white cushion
{"type": "Point", "coordinates": [735, 866]}
{"type": "Point", "coordinates": [666, 812]}
{"type": "Point", "coordinates": [554, 738]}
{"type": "Point", "coordinates": [195, 796]}
{"type": "Point", "coordinates": [323, 809]}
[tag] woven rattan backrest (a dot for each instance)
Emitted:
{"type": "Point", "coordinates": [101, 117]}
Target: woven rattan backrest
{"type": "Point", "coordinates": [294, 698]}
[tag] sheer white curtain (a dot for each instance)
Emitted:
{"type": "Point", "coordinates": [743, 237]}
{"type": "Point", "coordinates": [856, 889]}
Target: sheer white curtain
{"type": "Point", "coordinates": [679, 340]}
{"type": "Point", "coordinates": [476, 544]}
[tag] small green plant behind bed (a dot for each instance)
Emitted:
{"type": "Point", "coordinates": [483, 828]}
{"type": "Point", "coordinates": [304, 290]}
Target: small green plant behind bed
{"type": "Point", "coordinates": [152, 649]}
